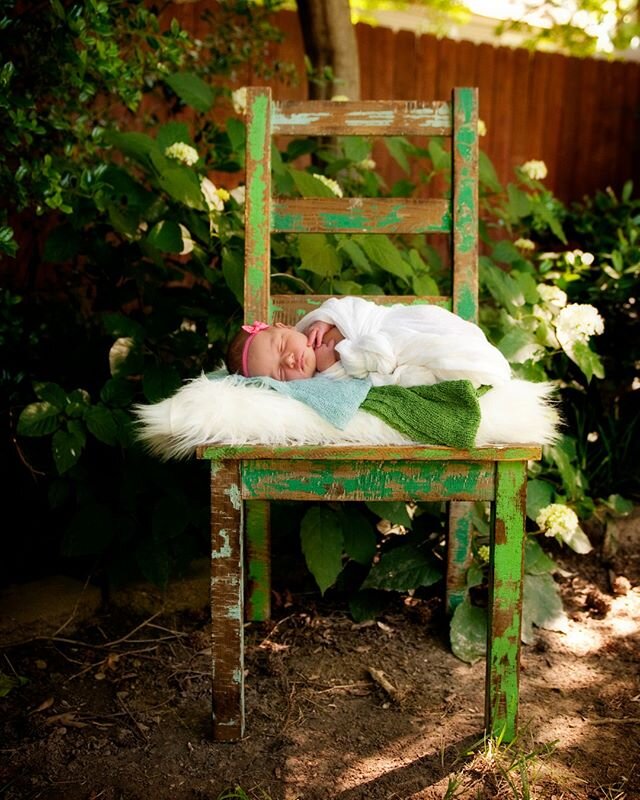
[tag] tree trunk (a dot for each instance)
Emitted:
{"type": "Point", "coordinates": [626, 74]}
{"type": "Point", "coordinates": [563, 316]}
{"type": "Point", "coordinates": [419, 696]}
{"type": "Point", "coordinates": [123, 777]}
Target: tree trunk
{"type": "Point", "coordinates": [330, 41]}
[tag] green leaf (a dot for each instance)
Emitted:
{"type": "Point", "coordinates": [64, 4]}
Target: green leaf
{"type": "Point", "coordinates": [368, 604]}
{"type": "Point", "coordinates": [172, 132]}
{"type": "Point", "coordinates": [237, 133]}
{"type": "Point", "coordinates": [38, 419]}
{"type": "Point", "coordinates": [506, 252]}
{"type": "Point", "coordinates": [63, 243]}
{"type": "Point", "coordinates": [475, 575]}
{"type": "Point", "coordinates": [78, 402]}
{"type": "Point", "coordinates": [469, 632]}
{"type": "Point", "coordinates": [101, 424]}
{"type": "Point", "coordinates": [308, 186]}
{"type": "Point", "coordinates": [382, 252]}
{"type": "Point", "coordinates": [192, 90]}
{"type": "Point", "coordinates": [514, 345]}
{"type": "Point", "coordinates": [564, 455]}
{"type": "Point", "coordinates": [541, 606]}
{"type": "Point", "coordinates": [539, 495]}
{"type": "Point", "coordinates": [160, 381]}
{"type": "Point", "coordinates": [397, 147]}
{"type": "Point", "coordinates": [117, 392]}
{"type": "Point", "coordinates": [356, 148]}
{"type": "Point", "coordinates": [440, 157]}
{"type": "Point", "coordinates": [528, 285]}
{"type": "Point", "coordinates": [182, 184]}
{"type": "Point", "coordinates": [403, 568]}
{"type": "Point", "coordinates": [393, 510]}
{"type": "Point", "coordinates": [321, 539]}
{"type": "Point", "coordinates": [519, 203]}
{"type": "Point", "coordinates": [502, 287]}
{"type": "Point", "coordinates": [317, 255]}
{"type": "Point", "coordinates": [588, 361]}
{"type": "Point", "coordinates": [233, 272]}
{"type": "Point", "coordinates": [10, 682]}
{"type": "Point", "coordinates": [354, 253]}
{"type": "Point", "coordinates": [424, 286]}
{"type": "Point", "coordinates": [138, 146]}
{"type": "Point", "coordinates": [166, 236]}
{"type": "Point", "coordinates": [359, 536]}
{"type": "Point", "coordinates": [619, 504]}
{"type": "Point", "coordinates": [67, 447]}
{"type": "Point", "coordinates": [51, 393]}
{"type": "Point", "coordinates": [536, 561]}
{"type": "Point", "coordinates": [487, 173]}
{"type": "Point", "coordinates": [120, 325]}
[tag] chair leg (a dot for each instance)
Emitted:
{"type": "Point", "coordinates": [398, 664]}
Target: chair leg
{"type": "Point", "coordinates": [258, 606]}
{"type": "Point", "coordinates": [227, 591]}
{"type": "Point", "coordinates": [505, 600]}
{"type": "Point", "coordinates": [458, 552]}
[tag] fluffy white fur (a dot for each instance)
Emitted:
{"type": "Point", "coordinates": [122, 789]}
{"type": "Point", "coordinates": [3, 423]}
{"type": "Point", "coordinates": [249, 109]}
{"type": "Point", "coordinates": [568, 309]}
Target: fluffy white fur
{"type": "Point", "coordinates": [221, 411]}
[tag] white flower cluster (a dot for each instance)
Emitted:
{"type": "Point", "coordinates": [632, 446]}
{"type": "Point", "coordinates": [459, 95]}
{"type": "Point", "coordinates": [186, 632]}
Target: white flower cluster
{"type": "Point", "coordinates": [557, 520]}
{"type": "Point", "coordinates": [239, 100]}
{"type": "Point", "coordinates": [524, 244]}
{"type": "Point", "coordinates": [366, 165]}
{"type": "Point", "coordinates": [482, 128]}
{"type": "Point", "coordinates": [535, 170]}
{"type": "Point", "coordinates": [574, 255]}
{"type": "Point", "coordinates": [576, 323]}
{"type": "Point", "coordinates": [552, 296]}
{"type": "Point", "coordinates": [183, 152]}
{"type": "Point", "coordinates": [333, 185]}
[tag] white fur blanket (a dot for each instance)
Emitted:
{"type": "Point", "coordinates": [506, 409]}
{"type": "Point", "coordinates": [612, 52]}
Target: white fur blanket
{"type": "Point", "coordinates": [222, 412]}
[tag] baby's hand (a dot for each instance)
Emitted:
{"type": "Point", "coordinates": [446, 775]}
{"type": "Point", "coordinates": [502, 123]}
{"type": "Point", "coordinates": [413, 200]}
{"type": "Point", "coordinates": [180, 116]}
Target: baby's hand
{"type": "Point", "coordinates": [315, 333]}
{"type": "Point", "coordinates": [326, 356]}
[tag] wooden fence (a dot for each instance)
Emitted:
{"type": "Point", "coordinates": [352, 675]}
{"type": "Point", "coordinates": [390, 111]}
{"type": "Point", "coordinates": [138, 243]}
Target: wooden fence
{"type": "Point", "coordinates": [580, 116]}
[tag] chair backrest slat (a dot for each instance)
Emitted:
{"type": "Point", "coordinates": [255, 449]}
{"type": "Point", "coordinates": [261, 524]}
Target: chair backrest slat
{"type": "Point", "coordinates": [364, 118]}
{"type": "Point", "coordinates": [456, 215]}
{"type": "Point", "coordinates": [359, 214]}
{"type": "Point", "coordinates": [290, 308]}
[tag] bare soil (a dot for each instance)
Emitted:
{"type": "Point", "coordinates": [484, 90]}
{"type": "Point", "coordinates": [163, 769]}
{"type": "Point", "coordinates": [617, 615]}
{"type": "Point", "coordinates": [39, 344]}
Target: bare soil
{"type": "Point", "coordinates": [121, 710]}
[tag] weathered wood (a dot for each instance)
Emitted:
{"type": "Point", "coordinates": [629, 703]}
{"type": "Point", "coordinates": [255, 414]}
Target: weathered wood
{"type": "Point", "coordinates": [257, 206]}
{"type": "Point", "coordinates": [290, 308]}
{"type": "Point", "coordinates": [465, 204]}
{"type": "Point", "coordinates": [227, 592]}
{"type": "Point", "coordinates": [353, 480]}
{"type": "Point", "coordinates": [361, 215]}
{"type": "Point", "coordinates": [349, 452]}
{"type": "Point", "coordinates": [459, 556]}
{"type": "Point", "coordinates": [364, 118]}
{"type": "Point", "coordinates": [258, 534]}
{"type": "Point", "coordinates": [505, 600]}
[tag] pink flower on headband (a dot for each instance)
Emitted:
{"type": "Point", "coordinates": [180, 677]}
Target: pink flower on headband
{"type": "Point", "coordinates": [252, 330]}
{"type": "Point", "coordinates": [256, 327]}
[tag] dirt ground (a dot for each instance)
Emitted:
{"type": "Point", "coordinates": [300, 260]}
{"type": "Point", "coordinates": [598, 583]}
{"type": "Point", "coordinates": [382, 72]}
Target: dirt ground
{"type": "Point", "coordinates": [121, 710]}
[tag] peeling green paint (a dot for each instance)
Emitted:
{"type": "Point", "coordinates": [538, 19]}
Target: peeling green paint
{"type": "Point", "coordinates": [225, 550]}
{"type": "Point", "coordinates": [256, 132]}
{"type": "Point", "coordinates": [282, 221]}
{"type": "Point", "coordinates": [281, 119]}
{"type": "Point", "coordinates": [466, 304]}
{"type": "Point", "coordinates": [233, 493]}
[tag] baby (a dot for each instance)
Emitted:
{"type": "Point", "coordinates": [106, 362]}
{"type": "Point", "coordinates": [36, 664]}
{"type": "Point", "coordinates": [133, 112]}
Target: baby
{"type": "Point", "coordinates": [350, 336]}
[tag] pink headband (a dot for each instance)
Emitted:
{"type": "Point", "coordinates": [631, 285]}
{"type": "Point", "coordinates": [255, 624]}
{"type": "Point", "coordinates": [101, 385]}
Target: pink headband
{"type": "Point", "coordinates": [253, 331]}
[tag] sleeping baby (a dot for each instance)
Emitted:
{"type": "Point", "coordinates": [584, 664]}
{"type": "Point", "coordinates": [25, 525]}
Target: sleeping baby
{"type": "Point", "coordinates": [415, 345]}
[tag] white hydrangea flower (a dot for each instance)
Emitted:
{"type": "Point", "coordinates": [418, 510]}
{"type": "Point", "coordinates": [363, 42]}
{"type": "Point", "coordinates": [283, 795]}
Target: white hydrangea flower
{"type": "Point", "coordinates": [212, 195]}
{"type": "Point", "coordinates": [577, 322]}
{"type": "Point", "coordinates": [183, 152]}
{"type": "Point", "coordinates": [366, 164]}
{"type": "Point", "coordinates": [524, 244]}
{"type": "Point", "coordinates": [239, 100]}
{"type": "Point", "coordinates": [239, 194]}
{"type": "Point", "coordinates": [482, 128]}
{"type": "Point", "coordinates": [561, 522]}
{"type": "Point", "coordinates": [573, 255]}
{"type": "Point", "coordinates": [552, 296]}
{"type": "Point", "coordinates": [557, 519]}
{"type": "Point", "coordinates": [339, 98]}
{"type": "Point", "coordinates": [535, 170]}
{"type": "Point", "coordinates": [333, 185]}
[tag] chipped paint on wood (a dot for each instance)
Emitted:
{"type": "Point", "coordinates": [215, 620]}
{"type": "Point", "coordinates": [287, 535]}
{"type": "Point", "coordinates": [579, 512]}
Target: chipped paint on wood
{"type": "Point", "coordinates": [233, 493]}
{"type": "Point", "coordinates": [227, 605]}
{"type": "Point", "coordinates": [505, 600]}
{"type": "Point", "coordinates": [465, 203]}
{"type": "Point", "coordinates": [339, 480]}
{"type": "Point", "coordinates": [346, 452]}
{"type": "Point", "coordinates": [459, 557]}
{"type": "Point", "coordinates": [356, 215]}
{"type": "Point", "coordinates": [288, 308]}
{"type": "Point", "coordinates": [258, 606]}
{"type": "Point", "coordinates": [368, 117]}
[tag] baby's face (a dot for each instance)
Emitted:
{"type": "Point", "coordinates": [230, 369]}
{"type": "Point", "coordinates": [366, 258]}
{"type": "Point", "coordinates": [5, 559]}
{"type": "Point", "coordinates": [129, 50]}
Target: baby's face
{"type": "Point", "coordinates": [282, 353]}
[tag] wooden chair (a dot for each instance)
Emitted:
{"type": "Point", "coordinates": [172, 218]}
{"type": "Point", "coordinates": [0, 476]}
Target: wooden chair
{"type": "Point", "coordinates": [244, 479]}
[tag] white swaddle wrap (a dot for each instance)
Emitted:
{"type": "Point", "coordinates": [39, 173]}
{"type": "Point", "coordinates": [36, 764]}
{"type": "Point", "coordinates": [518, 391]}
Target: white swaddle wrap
{"type": "Point", "coordinates": [416, 345]}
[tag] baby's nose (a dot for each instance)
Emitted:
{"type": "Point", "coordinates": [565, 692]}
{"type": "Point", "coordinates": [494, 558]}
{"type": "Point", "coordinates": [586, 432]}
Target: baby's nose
{"type": "Point", "coordinates": [289, 359]}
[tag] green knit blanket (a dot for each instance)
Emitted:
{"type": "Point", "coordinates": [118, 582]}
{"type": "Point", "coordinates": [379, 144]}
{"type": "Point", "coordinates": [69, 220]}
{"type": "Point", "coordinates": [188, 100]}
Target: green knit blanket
{"type": "Point", "coordinates": [446, 413]}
